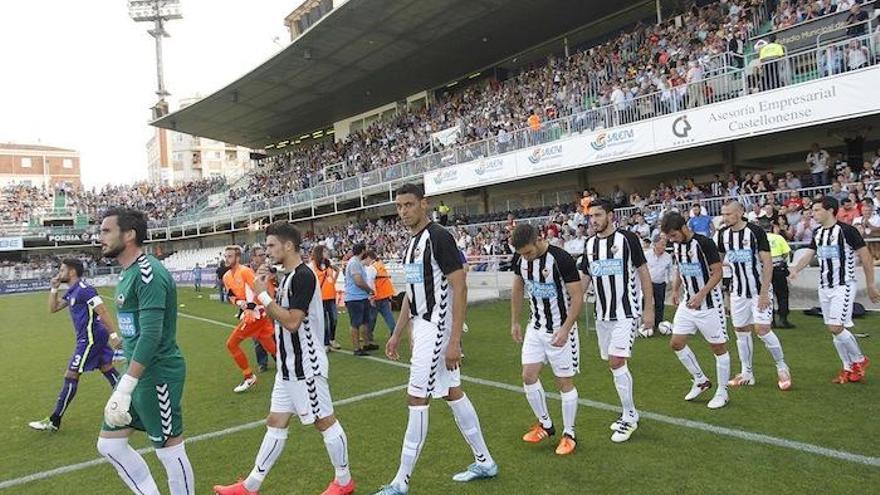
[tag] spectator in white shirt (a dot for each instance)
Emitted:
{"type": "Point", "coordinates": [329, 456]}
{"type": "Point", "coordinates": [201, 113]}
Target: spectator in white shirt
{"type": "Point", "coordinates": [817, 159]}
{"type": "Point", "coordinates": [868, 223]}
{"type": "Point", "coordinates": [660, 268]}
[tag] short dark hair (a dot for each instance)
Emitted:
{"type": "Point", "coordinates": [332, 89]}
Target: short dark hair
{"type": "Point", "coordinates": [416, 190]}
{"type": "Point", "coordinates": [672, 221]}
{"type": "Point", "coordinates": [371, 255]}
{"type": "Point", "coordinates": [358, 248]}
{"type": "Point", "coordinates": [76, 264]}
{"type": "Point", "coordinates": [603, 203]}
{"type": "Point", "coordinates": [129, 219]}
{"type": "Point", "coordinates": [830, 203]}
{"type": "Point", "coordinates": [286, 232]}
{"type": "Point", "coordinates": [523, 235]}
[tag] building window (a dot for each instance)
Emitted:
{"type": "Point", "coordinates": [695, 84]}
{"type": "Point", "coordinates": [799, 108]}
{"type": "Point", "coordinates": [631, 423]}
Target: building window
{"type": "Point", "coordinates": [67, 163]}
{"type": "Point", "coordinates": [25, 163]}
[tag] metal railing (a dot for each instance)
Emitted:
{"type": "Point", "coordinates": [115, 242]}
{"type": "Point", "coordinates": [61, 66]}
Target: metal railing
{"type": "Point", "coordinates": [792, 69]}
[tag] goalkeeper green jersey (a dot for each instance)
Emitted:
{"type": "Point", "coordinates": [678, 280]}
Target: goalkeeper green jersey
{"type": "Point", "coordinates": [146, 303]}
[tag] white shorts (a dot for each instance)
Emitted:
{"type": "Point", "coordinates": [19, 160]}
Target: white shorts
{"type": "Point", "coordinates": [309, 399]}
{"type": "Point", "coordinates": [428, 376]}
{"type": "Point", "coordinates": [744, 311]}
{"type": "Point", "coordinates": [710, 322]}
{"type": "Point", "coordinates": [837, 304]}
{"type": "Point", "coordinates": [565, 360]}
{"type": "Point", "coordinates": [616, 337]}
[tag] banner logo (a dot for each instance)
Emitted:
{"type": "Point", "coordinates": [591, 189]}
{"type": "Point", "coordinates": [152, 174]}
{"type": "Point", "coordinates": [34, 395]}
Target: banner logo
{"type": "Point", "coordinates": [681, 127]}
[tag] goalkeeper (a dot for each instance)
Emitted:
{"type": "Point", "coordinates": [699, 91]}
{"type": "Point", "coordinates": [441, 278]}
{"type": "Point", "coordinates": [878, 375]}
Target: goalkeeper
{"type": "Point", "coordinates": [148, 396]}
{"type": "Point", "coordinates": [254, 322]}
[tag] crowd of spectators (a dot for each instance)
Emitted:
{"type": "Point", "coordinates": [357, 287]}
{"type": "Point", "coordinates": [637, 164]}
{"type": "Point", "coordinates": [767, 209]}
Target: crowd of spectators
{"type": "Point", "coordinates": [18, 202]}
{"type": "Point", "coordinates": [792, 12]}
{"type": "Point", "coordinates": [646, 59]}
{"type": "Point", "coordinates": [23, 202]}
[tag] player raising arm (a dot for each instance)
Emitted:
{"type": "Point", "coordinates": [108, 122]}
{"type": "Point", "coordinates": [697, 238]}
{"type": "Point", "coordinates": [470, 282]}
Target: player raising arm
{"type": "Point", "coordinates": [94, 332]}
{"type": "Point", "coordinates": [301, 386]}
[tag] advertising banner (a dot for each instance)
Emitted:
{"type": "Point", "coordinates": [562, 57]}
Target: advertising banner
{"type": "Point", "coordinates": [11, 243]}
{"type": "Point", "coordinates": [26, 285]}
{"type": "Point", "coordinates": [834, 98]}
{"type": "Point", "coordinates": [74, 238]}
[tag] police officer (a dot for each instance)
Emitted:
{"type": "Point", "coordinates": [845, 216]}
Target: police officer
{"type": "Point", "coordinates": [780, 252]}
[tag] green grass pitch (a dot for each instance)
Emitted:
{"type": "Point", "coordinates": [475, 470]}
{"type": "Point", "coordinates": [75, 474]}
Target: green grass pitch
{"type": "Point", "coordinates": [661, 457]}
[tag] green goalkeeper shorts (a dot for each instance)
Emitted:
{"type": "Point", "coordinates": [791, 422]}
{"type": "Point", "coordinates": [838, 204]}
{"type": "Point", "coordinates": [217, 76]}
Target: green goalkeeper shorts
{"type": "Point", "coordinates": [156, 410]}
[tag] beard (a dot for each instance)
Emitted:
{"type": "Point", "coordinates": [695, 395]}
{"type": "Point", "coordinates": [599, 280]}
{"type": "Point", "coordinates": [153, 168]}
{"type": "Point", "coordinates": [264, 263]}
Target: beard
{"type": "Point", "coordinates": [112, 251]}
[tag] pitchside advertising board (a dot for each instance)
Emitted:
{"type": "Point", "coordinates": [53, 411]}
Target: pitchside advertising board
{"type": "Point", "coordinates": [11, 243]}
{"type": "Point", "coordinates": [836, 98]}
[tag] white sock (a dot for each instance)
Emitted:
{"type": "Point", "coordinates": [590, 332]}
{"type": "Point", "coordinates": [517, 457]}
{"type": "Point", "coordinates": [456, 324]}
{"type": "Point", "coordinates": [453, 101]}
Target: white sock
{"type": "Point", "coordinates": [774, 346]}
{"type": "Point", "coordinates": [181, 480]}
{"type": "Point", "coordinates": [129, 464]}
{"type": "Point", "coordinates": [623, 382]}
{"type": "Point", "coordinates": [722, 367]}
{"type": "Point", "coordinates": [536, 398]}
{"type": "Point", "coordinates": [569, 410]}
{"type": "Point", "coordinates": [689, 360]}
{"type": "Point", "coordinates": [337, 448]}
{"type": "Point", "coordinates": [854, 352]}
{"type": "Point", "coordinates": [469, 425]}
{"type": "Point", "coordinates": [744, 345]}
{"type": "Point", "coordinates": [270, 451]}
{"type": "Point", "coordinates": [842, 352]}
{"type": "Point", "coordinates": [413, 441]}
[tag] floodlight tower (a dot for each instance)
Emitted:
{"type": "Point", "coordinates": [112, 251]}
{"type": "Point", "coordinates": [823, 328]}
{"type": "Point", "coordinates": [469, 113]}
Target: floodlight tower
{"type": "Point", "coordinates": [158, 12]}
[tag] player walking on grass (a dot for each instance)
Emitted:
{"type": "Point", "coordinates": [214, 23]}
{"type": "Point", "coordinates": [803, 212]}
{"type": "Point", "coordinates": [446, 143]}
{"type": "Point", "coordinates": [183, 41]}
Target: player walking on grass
{"type": "Point", "coordinates": [838, 245]}
{"type": "Point", "coordinates": [550, 276]}
{"type": "Point", "coordinates": [698, 264]}
{"type": "Point", "coordinates": [435, 304]}
{"type": "Point", "coordinates": [747, 250]}
{"type": "Point", "coordinates": [94, 333]}
{"type": "Point", "coordinates": [301, 386]}
{"type": "Point", "coordinates": [615, 265]}
{"type": "Point", "coordinates": [148, 396]}
{"type": "Point", "coordinates": [253, 322]}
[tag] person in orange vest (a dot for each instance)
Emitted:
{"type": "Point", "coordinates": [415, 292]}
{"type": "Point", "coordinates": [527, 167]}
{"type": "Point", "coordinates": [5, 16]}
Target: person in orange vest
{"type": "Point", "coordinates": [380, 302]}
{"type": "Point", "coordinates": [253, 321]}
{"type": "Point", "coordinates": [327, 275]}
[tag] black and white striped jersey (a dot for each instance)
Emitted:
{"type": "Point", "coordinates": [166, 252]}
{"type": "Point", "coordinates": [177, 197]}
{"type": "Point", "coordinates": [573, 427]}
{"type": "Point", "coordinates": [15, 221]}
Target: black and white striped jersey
{"type": "Point", "coordinates": [613, 264]}
{"type": "Point", "coordinates": [544, 278]}
{"type": "Point", "coordinates": [693, 260]}
{"type": "Point", "coordinates": [741, 248]}
{"type": "Point", "coordinates": [430, 256]}
{"type": "Point", "coordinates": [300, 354]}
{"type": "Point", "coordinates": [836, 248]}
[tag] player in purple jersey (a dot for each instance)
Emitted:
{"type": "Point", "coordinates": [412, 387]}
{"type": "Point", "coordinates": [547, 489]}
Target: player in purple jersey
{"type": "Point", "coordinates": [94, 332]}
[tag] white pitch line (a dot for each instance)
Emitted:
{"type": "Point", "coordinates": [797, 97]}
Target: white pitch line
{"type": "Point", "coordinates": [662, 418]}
{"type": "Point", "coordinates": [197, 438]}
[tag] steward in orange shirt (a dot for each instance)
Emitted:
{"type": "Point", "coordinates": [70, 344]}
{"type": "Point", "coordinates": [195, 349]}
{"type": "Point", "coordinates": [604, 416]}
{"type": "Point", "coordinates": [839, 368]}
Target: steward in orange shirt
{"type": "Point", "coordinates": [239, 282]}
{"type": "Point", "coordinates": [380, 303]}
{"type": "Point", "coordinates": [327, 275]}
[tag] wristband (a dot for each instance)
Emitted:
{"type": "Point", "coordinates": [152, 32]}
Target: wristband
{"type": "Point", "coordinates": [53, 290]}
{"type": "Point", "coordinates": [265, 298]}
{"type": "Point", "coordinates": [126, 384]}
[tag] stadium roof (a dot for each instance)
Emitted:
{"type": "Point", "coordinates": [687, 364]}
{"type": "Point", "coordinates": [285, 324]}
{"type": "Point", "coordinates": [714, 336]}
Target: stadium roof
{"type": "Point", "coordinates": [32, 147]}
{"type": "Point", "coordinates": [367, 53]}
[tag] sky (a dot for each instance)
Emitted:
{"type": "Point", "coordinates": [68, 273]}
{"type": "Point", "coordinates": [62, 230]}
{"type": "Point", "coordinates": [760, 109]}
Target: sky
{"type": "Point", "coordinates": [82, 74]}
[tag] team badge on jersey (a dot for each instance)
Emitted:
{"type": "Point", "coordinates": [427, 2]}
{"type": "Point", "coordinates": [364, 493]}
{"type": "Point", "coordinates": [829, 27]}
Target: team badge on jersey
{"type": "Point", "coordinates": [120, 299]}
